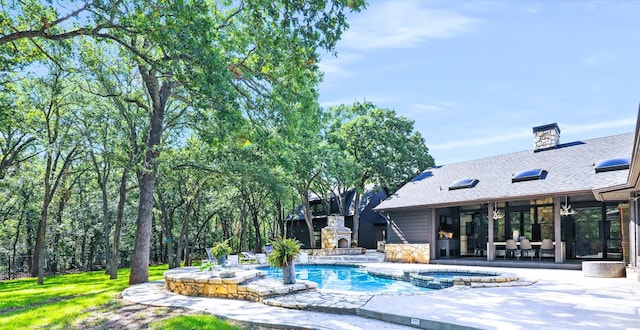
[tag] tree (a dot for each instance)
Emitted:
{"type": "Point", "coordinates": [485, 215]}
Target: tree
{"type": "Point", "coordinates": [249, 58]}
{"type": "Point", "coordinates": [121, 123]}
{"type": "Point", "coordinates": [51, 98]}
{"type": "Point", "coordinates": [15, 137]}
{"type": "Point", "coordinates": [382, 148]}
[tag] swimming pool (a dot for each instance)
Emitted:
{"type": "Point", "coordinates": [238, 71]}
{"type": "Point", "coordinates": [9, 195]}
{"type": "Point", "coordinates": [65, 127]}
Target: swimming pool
{"type": "Point", "coordinates": [348, 278]}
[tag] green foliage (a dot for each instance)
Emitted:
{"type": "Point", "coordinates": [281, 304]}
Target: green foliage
{"type": "Point", "coordinates": [62, 300]}
{"type": "Point", "coordinates": [380, 146]}
{"type": "Point", "coordinates": [284, 251]}
{"type": "Point", "coordinates": [221, 249]}
{"type": "Point", "coordinates": [241, 119]}
{"type": "Point", "coordinates": [200, 322]}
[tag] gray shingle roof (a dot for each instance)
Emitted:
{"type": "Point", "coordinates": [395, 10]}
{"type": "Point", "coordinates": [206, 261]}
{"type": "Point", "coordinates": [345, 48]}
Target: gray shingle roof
{"type": "Point", "coordinates": [570, 169]}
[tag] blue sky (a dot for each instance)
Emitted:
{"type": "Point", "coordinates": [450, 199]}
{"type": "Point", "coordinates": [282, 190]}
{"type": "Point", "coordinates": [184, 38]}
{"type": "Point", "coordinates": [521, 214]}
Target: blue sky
{"type": "Point", "coordinates": [476, 76]}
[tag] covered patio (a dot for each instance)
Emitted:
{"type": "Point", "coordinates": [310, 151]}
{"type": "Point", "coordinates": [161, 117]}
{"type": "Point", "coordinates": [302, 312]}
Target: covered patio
{"type": "Point", "coordinates": [579, 196]}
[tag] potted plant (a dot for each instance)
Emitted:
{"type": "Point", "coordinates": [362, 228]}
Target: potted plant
{"type": "Point", "coordinates": [220, 251]}
{"type": "Point", "coordinates": [284, 252]}
{"type": "Point", "coordinates": [208, 266]}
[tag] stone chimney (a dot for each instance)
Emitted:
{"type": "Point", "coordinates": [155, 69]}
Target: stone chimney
{"type": "Point", "coordinates": [335, 234]}
{"type": "Point", "coordinates": [546, 137]}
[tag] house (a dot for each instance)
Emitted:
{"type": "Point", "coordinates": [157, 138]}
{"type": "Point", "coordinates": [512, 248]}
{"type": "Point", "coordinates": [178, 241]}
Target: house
{"type": "Point", "coordinates": [372, 225]}
{"type": "Point", "coordinates": [582, 195]}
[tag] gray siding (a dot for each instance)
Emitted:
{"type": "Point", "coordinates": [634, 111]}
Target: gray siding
{"type": "Point", "coordinates": [409, 226]}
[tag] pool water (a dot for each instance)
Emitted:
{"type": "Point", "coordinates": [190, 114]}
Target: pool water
{"type": "Point", "coordinates": [348, 278]}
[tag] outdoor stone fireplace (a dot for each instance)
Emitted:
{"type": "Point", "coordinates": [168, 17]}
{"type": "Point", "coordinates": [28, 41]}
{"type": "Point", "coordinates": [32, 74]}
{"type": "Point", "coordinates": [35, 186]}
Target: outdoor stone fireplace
{"type": "Point", "coordinates": [335, 234]}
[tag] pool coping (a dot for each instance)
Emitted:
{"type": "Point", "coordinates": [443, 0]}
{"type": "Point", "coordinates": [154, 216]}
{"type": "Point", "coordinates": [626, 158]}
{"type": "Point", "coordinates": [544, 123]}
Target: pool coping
{"type": "Point", "coordinates": [494, 278]}
{"type": "Point", "coordinates": [255, 286]}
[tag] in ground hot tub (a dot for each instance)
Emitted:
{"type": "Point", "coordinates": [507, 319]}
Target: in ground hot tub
{"type": "Point", "coordinates": [446, 278]}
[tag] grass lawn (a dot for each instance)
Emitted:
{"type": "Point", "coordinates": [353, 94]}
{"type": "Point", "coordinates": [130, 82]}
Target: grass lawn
{"type": "Point", "coordinates": [88, 300]}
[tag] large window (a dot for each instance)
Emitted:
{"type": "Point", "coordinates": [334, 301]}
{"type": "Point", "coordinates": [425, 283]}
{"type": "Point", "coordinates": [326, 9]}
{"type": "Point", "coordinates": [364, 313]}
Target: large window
{"type": "Point", "coordinates": [473, 231]}
{"type": "Point", "coordinates": [532, 219]}
{"type": "Point", "coordinates": [588, 237]}
{"type": "Point", "coordinates": [596, 231]}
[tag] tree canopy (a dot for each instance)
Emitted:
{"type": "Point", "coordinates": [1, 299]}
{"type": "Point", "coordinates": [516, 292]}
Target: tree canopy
{"type": "Point", "coordinates": [142, 131]}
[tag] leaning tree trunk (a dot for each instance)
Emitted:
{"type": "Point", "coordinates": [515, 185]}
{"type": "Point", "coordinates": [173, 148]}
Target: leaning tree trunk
{"type": "Point", "coordinates": [159, 96]}
{"type": "Point", "coordinates": [122, 197]}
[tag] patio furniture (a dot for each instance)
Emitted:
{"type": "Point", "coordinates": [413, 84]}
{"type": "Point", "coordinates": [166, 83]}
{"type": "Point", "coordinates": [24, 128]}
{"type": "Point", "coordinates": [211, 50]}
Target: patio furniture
{"type": "Point", "coordinates": [261, 258]}
{"type": "Point", "coordinates": [526, 250]}
{"type": "Point", "coordinates": [547, 249]}
{"type": "Point", "coordinates": [210, 255]}
{"type": "Point", "coordinates": [511, 249]}
{"type": "Point", "coordinates": [302, 257]}
{"type": "Point", "coordinates": [248, 257]}
{"type": "Point", "coordinates": [233, 260]}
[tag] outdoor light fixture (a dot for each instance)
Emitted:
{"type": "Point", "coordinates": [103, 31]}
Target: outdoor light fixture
{"type": "Point", "coordinates": [497, 214]}
{"type": "Point", "coordinates": [565, 209]}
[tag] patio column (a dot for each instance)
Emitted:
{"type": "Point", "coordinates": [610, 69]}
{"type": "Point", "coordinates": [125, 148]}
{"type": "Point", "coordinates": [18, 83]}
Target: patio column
{"type": "Point", "coordinates": [491, 252]}
{"type": "Point", "coordinates": [634, 234]}
{"type": "Point", "coordinates": [433, 246]}
{"type": "Point", "coordinates": [557, 230]}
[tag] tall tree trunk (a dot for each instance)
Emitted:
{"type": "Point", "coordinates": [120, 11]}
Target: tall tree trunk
{"type": "Point", "coordinates": [308, 216]}
{"type": "Point", "coordinates": [356, 212]}
{"type": "Point", "coordinates": [106, 228]}
{"type": "Point", "coordinates": [159, 96]}
{"type": "Point", "coordinates": [256, 226]}
{"type": "Point", "coordinates": [102, 180]}
{"type": "Point", "coordinates": [122, 197]}
{"type": "Point", "coordinates": [183, 241]}
{"type": "Point", "coordinates": [243, 228]}
{"type": "Point", "coordinates": [56, 238]}
{"type": "Point", "coordinates": [93, 244]}
{"type": "Point", "coordinates": [167, 230]}
{"type": "Point", "coordinates": [356, 218]}
{"type": "Point", "coordinates": [16, 237]}
{"type": "Point", "coordinates": [38, 267]}
{"type": "Point", "coordinates": [140, 259]}
{"type": "Point", "coordinates": [30, 249]}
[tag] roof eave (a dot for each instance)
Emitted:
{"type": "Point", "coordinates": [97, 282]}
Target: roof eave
{"type": "Point", "coordinates": [483, 201]}
{"type": "Point", "coordinates": [634, 168]}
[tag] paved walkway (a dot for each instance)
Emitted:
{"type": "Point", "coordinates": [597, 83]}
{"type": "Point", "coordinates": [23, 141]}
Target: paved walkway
{"type": "Point", "coordinates": [557, 299]}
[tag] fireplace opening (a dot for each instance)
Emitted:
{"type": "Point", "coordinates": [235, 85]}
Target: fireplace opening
{"type": "Point", "coordinates": [343, 243]}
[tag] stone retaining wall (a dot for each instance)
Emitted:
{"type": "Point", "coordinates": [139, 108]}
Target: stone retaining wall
{"type": "Point", "coordinates": [408, 253]}
{"type": "Point", "coordinates": [338, 252]}
{"type": "Point", "coordinates": [191, 282]}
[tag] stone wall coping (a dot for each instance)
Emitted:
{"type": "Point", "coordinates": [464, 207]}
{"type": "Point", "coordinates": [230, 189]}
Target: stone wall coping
{"type": "Point", "coordinates": [193, 274]}
{"type": "Point", "coordinates": [247, 284]}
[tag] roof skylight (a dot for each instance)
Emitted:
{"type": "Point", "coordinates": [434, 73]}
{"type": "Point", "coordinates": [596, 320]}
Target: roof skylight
{"type": "Point", "coordinates": [613, 164]}
{"type": "Point", "coordinates": [533, 174]}
{"type": "Point", "coordinates": [463, 184]}
{"type": "Point", "coordinates": [422, 176]}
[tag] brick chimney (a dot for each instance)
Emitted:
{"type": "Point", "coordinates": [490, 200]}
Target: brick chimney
{"type": "Point", "coordinates": [546, 137]}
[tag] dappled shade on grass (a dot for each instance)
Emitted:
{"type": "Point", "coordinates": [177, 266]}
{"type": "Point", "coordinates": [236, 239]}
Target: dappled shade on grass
{"type": "Point", "coordinates": [62, 300]}
{"type": "Point", "coordinates": [200, 322]}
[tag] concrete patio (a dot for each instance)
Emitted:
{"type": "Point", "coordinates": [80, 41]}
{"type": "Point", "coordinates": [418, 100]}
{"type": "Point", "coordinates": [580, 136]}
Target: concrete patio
{"type": "Point", "coordinates": [558, 299]}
